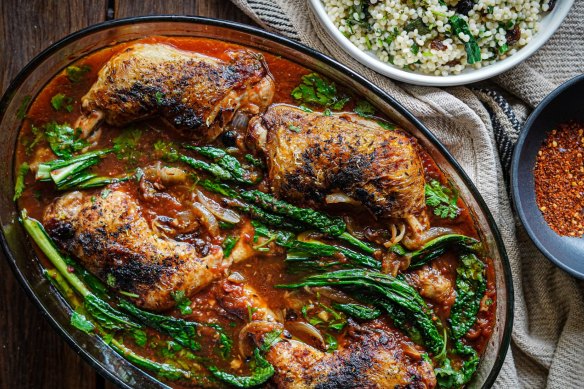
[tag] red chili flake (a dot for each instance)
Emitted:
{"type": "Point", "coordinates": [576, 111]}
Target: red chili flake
{"type": "Point", "coordinates": [559, 179]}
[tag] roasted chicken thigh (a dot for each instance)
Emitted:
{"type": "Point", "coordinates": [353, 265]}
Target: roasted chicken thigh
{"type": "Point", "coordinates": [311, 156]}
{"type": "Point", "coordinates": [112, 239]}
{"type": "Point", "coordinates": [190, 90]}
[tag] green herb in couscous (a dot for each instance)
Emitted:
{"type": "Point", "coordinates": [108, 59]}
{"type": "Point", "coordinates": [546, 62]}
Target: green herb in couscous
{"type": "Point", "coordinates": [439, 37]}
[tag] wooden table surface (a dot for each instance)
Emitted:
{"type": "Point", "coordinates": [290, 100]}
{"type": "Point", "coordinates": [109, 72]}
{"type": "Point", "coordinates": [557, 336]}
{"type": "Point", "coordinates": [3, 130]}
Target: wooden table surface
{"type": "Point", "coordinates": [32, 355]}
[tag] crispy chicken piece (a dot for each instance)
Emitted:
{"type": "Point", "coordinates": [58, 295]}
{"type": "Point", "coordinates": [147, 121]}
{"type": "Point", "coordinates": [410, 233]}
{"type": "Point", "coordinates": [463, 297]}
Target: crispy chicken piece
{"type": "Point", "coordinates": [113, 240]}
{"type": "Point", "coordinates": [310, 156]}
{"type": "Point", "coordinates": [368, 357]}
{"type": "Point", "coordinates": [188, 89]}
{"type": "Point", "coordinates": [372, 359]}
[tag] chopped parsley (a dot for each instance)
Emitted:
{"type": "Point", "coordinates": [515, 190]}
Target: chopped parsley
{"type": "Point", "coordinates": [331, 343]}
{"type": "Point", "coordinates": [60, 101]}
{"type": "Point", "coordinates": [182, 302]}
{"type": "Point", "coordinates": [386, 125]}
{"type": "Point", "coordinates": [294, 128]}
{"type": "Point", "coordinates": [228, 245]}
{"type": "Point", "coordinates": [140, 337]}
{"type": "Point", "coordinates": [64, 140]}
{"type": "Point", "coordinates": [76, 73]}
{"type": "Point", "coordinates": [28, 144]}
{"type": "Point", "coordinates": [270, 339]}
{"type": "Point", "coordinates": [126, 145]}
{"type": "Point", "coordinates": [159, 96]}
{"type": "Point", "coordinates": [316, 90]}
{"type": "Point", "coordinates": [19, 185]}
{"type": "Point", "coordinates": [442, 199]}
{"type": "Point", "coordinates": [305, 108]}
{"type": "Point", "coordinates": [364, 108]}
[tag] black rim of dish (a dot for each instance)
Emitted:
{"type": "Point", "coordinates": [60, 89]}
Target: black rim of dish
{"type": "Point", "coordinates": [24, 73]}
{"type": "Point", "coordinates": [525, 132]}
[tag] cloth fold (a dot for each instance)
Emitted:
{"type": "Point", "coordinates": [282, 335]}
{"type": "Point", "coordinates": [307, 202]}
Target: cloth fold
{"type": "Point", "coordinates": [479, 125]}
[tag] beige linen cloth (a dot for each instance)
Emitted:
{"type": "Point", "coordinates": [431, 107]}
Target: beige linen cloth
{"type": "Point", "coordinates": [479, 128]}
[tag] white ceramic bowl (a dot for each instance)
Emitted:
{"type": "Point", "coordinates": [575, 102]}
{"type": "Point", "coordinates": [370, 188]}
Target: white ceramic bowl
{"type": "Point", "coordinates": [548, 25]}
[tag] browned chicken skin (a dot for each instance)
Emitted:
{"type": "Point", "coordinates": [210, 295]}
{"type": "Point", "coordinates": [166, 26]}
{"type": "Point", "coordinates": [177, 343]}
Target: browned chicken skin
{"type": "Point", "coordinates": [311, 155]}
{"type": "Point", "coordinates": [112, 239]}
{"type": "Point", "coordinates": [368, 357]}
{"type": "Point", "coordinates": [188, 89]}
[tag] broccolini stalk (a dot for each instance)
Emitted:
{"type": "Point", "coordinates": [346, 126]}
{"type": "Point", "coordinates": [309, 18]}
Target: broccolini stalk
{"type": "Point", "coordinates": [391, 291]}
{"type": "Point", "coordinates": [224, 160]}
{"type": "Point", "coordinates": [182, 331]}
{"type": "Point", "coordinates": [437, 247]}
{"type": "Point", "coordinates": [332, 226]}
{"type": "Point", "coordinates": [60, 169]}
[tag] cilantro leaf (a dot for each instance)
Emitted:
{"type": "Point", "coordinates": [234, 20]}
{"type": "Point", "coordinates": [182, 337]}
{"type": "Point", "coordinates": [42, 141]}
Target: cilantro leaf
{"type": "Point", "coordinates": [228, 245]}
{"type": "Point", "coordinates": [64, 140]}
{"type": "Point", "coordinates": [270, 339]}
{"type": "Point", "coordinates": [19, 185]}
{"type": "Point", "coordinates": [182, 302]}
{"type": "Point", "coordinates": [126, 145]}
{"type": "Point", "coordinates": [442, 199]}
{"type": "Point", "coordinates": [364, 108]}
{"type": "Point", "coordinates": [331, 343]}
{"type": "Point", "coordinates": [76, 73]}
{"type": "Point", "coordinates": [140, 337]}
{"type": "Point", "coordinates": [316, 90]}
{"type": "Point", "coordinates": [60, 101]}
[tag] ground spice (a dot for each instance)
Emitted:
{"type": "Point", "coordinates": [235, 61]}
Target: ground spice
{"type": "Point", "coordinates": [559, 179]}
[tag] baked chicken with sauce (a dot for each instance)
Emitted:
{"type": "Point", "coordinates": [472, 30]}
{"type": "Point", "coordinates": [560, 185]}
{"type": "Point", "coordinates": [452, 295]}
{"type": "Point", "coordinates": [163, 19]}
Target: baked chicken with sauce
{"type": "Point", "coordinates": [311, 156]}
{"type": "Point", "coordinates": [368, 357]}
{"type": "Point", "coordinates": [192, 91]}
{"type": "Point", "coordinates": [112, 239]}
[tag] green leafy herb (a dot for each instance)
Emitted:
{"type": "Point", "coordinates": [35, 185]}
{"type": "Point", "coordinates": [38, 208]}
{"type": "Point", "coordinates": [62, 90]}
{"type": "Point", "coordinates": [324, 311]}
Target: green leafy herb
{"type": "Point", "coordinates": [60, 101]}
{"type": "Point", "coordinates": [21, 113]}
{"type": "Point", "coordinates": [364, 108]}
{"type": "Point", "coordinates": [254, 161]}
{"type": "Point", "coordinates": [327, 112]}
{"type": "Point", "coordinates": [140, 337]}
{"type": "Point", "coordinates": [64, 140]}
{"type": "Point", "coordinates": [504, 48]}
{"type": "Point", "coordinates": [76, 73]}
{"type": "Point", "coordinates": [228, 245]}
{"type": "Point", "coordinates": [415, 49]}
{"type": "Point", "coordinates": [270, 339]}
{"type": "Point", "coordinates": [473, 51]}
{"type": "Point", "coordinates": [224, 161]}
{"type": "Point", "coordinates": [293, 128]}
{"type": "Point", "coordinates": [442, 199]}
{"type": "Point", "coordinates": [38, 135]}
{"type": "Point", "coordinates": [159, 96]}
{"type": "Point", "coordinates": [125, 146]}
{"type": "Point", "coordinates": [250, 311]}
{"type": "Point", "coordinates": [19, 185]}
{"type": "Point", "coordinates": [80, 322]}
{"type": "Point", "coordinates": [331, 343]}
{"type": "Point", "coordinates": [261, 371]}
{"type": "Point", "coordinates": [305, 108]}
{"type": "Point", "coordinates": [386, 125]}
{"type": "Point", "coordinates": [182, 302]}
{"type": "Point", "coordinates": [316, 90]}
{"type": "Point", "coordinates": [417, 24]}
{"type": "Point", "coordinates": [225, 225]}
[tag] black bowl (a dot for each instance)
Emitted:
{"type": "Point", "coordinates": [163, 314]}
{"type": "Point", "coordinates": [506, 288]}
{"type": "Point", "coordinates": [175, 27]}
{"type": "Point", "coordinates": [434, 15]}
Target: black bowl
{"type": "Point", "coordinates": [39, 71]}
{"type": "Point", "coordinates": [562, 105]}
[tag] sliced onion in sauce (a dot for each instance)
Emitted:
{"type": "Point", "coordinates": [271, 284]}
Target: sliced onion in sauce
{"type": "Point", "coordinates": [299, 328]}
{"type": "Point", "coordinates": [340, 198]}
{"type": "Point", "coordinates": [207, 219]}
{"type": "Point", "coordinates": [227, 215]}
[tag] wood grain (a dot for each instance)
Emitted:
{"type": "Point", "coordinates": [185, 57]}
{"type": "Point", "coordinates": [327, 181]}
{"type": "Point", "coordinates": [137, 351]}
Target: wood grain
{"type": "Point", "coordinates": [32, 355]}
